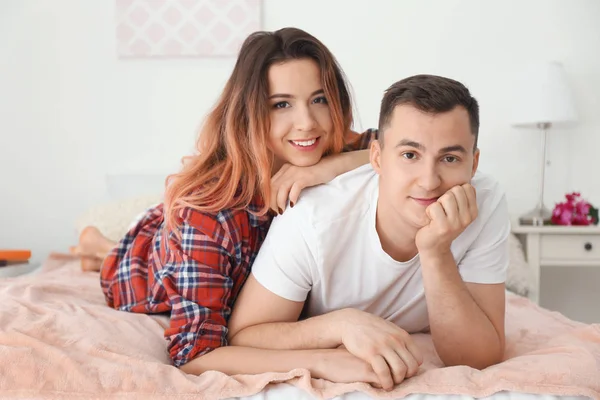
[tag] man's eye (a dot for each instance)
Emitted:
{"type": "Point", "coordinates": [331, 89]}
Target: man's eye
{"type": "Point", "coordinates": [450, 159]}
{"type": "Point", "coordinates": [409, 156]}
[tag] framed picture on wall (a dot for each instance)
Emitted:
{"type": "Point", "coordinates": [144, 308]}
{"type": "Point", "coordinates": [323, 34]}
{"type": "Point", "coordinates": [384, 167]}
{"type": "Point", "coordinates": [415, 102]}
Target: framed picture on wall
{"type": "Point", "coordinates": [184, 28]}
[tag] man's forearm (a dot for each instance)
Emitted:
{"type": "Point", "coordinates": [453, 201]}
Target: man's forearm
{"type": "Point", "coordinates": [313, 333]}
{"type": "Point", "coordinates": [462, 333]}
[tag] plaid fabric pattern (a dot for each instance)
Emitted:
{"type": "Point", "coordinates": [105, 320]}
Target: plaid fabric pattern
{"type": "Point", "coordinates": [363, 141]}
{"type": "Point", "coordinates": [196, 278]}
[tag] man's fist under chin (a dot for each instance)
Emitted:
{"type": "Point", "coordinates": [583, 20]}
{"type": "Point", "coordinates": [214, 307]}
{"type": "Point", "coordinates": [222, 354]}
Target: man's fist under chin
{"type": "Point", "coordinates": [449, 216]}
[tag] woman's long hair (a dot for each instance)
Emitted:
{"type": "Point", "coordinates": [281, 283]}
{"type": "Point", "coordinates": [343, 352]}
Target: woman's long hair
{"type": "Point", "coordinates": [233, 164]}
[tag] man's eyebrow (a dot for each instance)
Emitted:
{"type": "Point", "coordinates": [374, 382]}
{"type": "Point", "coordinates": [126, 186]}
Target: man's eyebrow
{"type": "Point", "coordinates": [410, 143]}
{"type": "Point", "coordinates": [289, 96]}
{"type": "Point", "coordinates": [456, 147]}
{"type": "Point", "coordinates": [419, 146]}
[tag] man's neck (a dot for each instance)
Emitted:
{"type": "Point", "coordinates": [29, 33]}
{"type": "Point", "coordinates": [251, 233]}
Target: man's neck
{"type": "Point", "coordinates": [396, 236]}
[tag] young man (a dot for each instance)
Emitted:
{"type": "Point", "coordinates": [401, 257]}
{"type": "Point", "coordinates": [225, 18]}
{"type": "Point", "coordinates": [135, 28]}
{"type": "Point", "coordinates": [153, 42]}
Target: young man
{"type": "Point", "coordinates": [416, 241]}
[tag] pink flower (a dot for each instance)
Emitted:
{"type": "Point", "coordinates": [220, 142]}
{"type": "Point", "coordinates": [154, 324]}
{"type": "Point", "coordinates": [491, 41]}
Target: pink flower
{"type": "Point", "coordinates": [562, 214]}
{"type": "Point", "coordinates": [583, 207]}
{"type": "Point", "coordinates": [581, 220]}
{"type": "Point", "coordinates": [575, 211]}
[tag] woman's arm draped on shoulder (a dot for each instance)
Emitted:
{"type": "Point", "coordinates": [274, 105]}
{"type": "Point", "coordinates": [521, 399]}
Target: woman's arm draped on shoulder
{"type": "Point", "coordinates": [289, 181]}
{"type": "Point", "coordinates": [356, 151]}
{"type": "Point", "coordinates": [355, 154]}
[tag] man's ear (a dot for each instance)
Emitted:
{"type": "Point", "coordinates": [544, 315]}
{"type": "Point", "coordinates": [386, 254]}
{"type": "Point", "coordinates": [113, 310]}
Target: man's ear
{"type": "Point", "coordinates": [475, 162]}
{"type": "Point", "coordinates": [375, 155]}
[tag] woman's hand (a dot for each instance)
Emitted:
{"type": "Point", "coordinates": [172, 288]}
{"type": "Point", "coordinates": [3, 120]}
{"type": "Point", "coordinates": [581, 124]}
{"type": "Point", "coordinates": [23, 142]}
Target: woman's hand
{"type": "Point", "coordinates": [290, 180]}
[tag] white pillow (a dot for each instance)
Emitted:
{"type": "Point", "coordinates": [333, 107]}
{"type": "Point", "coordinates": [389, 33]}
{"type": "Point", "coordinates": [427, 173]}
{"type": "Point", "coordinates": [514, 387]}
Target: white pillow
{"type": "Point", "coordinates": [519, 278]}
{"type": "Point", "coordinates": [130, 195]}
{"type": "Point", "coordinates": [114, 219]}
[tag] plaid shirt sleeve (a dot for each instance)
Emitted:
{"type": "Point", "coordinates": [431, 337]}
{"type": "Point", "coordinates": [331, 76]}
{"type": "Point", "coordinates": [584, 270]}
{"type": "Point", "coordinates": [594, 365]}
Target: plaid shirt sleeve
{"type": "Point", "coordinates": [199, 288]}
{"type": "Point", "coordinates": [361, 141]}
{"type": "Point", "coordinates": [152, 270]}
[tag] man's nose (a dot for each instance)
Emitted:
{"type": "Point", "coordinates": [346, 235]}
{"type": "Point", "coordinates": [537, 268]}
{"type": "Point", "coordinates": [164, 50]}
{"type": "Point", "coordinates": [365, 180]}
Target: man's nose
{"type": "Point", "coordinates": [429, 179]}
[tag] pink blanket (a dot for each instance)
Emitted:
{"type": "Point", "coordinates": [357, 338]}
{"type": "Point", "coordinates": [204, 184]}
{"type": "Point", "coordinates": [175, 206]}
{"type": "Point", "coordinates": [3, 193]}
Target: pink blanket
{"type": "Point", "coordinates": [59, 340]}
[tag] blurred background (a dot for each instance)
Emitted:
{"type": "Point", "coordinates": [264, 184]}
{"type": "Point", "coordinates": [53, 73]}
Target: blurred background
{"type": "Point", "coordinates": [79, 119]}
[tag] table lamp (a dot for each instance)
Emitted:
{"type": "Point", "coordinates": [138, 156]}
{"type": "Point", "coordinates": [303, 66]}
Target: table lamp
{"type": "Point", "coordinates": [543, 100]}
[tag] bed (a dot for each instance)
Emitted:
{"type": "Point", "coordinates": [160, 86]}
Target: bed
{"type": "Point", "coordinates": [58, 340]}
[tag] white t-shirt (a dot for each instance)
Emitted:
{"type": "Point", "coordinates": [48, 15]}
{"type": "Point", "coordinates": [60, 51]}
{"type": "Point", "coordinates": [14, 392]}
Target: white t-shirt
{"type": "Point", "coordinates": [326, 251]}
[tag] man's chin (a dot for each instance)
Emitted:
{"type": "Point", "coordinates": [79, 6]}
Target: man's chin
{"type": "Point", "coordinates": [420, 220]}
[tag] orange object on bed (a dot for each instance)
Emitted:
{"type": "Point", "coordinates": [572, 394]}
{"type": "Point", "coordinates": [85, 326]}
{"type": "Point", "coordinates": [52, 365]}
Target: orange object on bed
{"type": "Point", "coordinates": [15, 255]}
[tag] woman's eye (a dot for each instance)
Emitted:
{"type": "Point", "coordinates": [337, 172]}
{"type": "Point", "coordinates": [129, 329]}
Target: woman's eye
{"type": "Point", "coordinates": [281, 104]}
{"type": "Point", "coordinates": [320, 100]}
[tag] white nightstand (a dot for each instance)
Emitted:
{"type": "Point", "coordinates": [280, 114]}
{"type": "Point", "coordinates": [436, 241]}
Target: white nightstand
{"type": "Point", "coordinates": [9, 271]}
{"type": "Point", "coordinates": [576, 250]}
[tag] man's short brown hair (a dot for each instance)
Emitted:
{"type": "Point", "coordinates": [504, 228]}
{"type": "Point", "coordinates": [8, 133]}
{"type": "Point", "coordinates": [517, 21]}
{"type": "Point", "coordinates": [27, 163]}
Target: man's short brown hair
{"type": "Point", "coordinates": [431, 94]}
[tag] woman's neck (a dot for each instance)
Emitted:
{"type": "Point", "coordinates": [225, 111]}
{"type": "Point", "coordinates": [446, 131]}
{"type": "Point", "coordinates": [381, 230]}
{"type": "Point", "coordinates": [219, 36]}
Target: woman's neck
{"type": "Point", "coordinates": [277, 164]}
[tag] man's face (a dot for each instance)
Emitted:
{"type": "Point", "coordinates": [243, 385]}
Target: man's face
{"type": "Point", "coordinates": [424, 155]}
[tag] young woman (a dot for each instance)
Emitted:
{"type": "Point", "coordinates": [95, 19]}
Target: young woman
{"type": "Point", "coordinates": [281, 124]}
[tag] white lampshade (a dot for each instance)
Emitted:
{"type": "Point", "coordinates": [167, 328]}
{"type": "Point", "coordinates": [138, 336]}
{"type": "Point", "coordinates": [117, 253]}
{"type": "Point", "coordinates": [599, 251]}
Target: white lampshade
{"type": "Point", "coordinates": [542, 96]}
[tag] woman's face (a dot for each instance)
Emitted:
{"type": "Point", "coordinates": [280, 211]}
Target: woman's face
{"type": "Point", "coordinates": [301, 125]}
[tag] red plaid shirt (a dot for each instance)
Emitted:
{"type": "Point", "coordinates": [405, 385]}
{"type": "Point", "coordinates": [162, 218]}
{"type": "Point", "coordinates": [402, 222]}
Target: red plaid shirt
{"type": "Point", "coordinates": [196, 278]}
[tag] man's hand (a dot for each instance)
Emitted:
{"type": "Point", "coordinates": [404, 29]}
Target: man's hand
{"type": "Point", "coordinates": [449, 216]}
{"type": "Point", "coordinates": [388, 349]}
{"type": "Point", "coordinates": [290, 180]}
{"type": "Point", "coordinates": [262, 319]}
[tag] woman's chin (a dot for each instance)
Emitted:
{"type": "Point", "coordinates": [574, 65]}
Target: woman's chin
{"type": "Point", "coordinates": [305, 160]}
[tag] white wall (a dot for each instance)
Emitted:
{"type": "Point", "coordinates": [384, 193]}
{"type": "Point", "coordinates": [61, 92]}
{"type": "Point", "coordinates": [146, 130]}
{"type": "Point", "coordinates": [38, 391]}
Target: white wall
{"type": "Point", "coordinates": [71, 112]}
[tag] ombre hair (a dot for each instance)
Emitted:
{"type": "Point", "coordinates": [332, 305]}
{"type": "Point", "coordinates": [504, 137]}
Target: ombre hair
{"type": "Point", "coordinates": [233, 165]}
